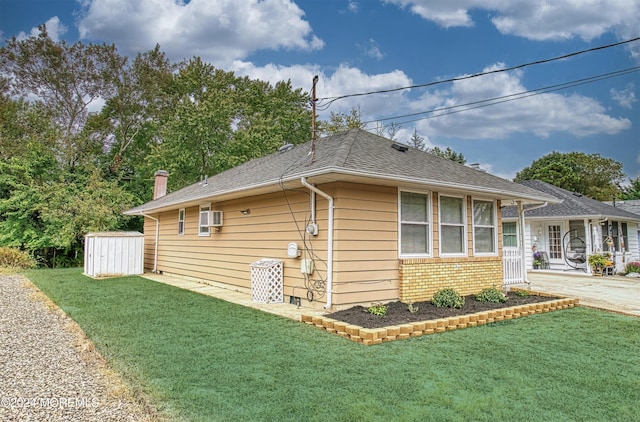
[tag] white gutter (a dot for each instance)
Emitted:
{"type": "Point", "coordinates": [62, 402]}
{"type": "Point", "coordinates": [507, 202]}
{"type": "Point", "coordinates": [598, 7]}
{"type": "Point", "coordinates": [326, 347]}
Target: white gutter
{"type": "Point", "coordinates": [329, 239]}
{"type": "Point", "coordinates": [155, 251]}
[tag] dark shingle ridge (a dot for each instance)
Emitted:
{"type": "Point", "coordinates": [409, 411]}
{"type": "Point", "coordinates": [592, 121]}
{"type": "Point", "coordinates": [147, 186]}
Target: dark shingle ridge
{"type": "Point", "coordinates": [351, 152]}
{"type": "Point", "coordinates": [572, 205]}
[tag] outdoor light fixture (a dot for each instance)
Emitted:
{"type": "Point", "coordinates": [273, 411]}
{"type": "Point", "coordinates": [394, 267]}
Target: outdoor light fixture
{"type": "Point", "coordinates": [246, 212]}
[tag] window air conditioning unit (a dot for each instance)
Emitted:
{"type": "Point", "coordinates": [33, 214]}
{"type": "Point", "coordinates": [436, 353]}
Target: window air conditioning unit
{"type": "Point", "coordinates": [215, 220]}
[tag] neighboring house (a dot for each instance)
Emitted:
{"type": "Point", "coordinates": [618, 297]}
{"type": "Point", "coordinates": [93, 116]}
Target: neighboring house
{"type": "Point", "coordinates": [568, 232]}
{"type": "Point", "coordinates": [631, 205]}
{"type": "Point", "coordinates": [374, 221]}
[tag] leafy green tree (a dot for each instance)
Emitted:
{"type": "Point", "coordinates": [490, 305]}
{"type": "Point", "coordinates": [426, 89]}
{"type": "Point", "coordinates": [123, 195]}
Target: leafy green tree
{"type": "Point", "coordinates": [65, 79]}
{"type": "Point", "coordinates": [218, 121]}
{"type": "Point", "coordinates": [448, 153]}
{"type": "Point", "coordinates": [267, 117]}
{"type": "Point", "coordinates": [20, 198]}
{"type": "Point", "coordinates": [77, 204]}
{"type": "Point", "coordinates": [589, 174]}
{"type": "Point", "coordinates": [129, 123]}
{"type": "Point", "coordinates": [65, 171]}
{"type": "Point", "coordinates": [632, 191]}
{"type": "Point", "coordinates": [339, 122]}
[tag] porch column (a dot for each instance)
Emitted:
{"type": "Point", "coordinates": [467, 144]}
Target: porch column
{"type": "Point", "coordinates": [588, 248]}
{"type": "Point", "coordinates": [523, 252]}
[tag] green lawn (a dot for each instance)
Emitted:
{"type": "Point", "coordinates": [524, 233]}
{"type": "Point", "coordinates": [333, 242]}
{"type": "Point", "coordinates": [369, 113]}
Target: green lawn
{"type": "Point", "coordinates": [200, 358]}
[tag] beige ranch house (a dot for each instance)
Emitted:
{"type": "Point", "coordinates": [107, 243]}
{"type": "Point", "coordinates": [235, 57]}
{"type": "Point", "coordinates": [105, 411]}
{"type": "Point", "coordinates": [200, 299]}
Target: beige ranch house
{"type": "Point", "coordinates": [352, 218]}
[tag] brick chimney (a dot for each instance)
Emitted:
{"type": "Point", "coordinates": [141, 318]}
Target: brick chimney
{"type": "Point", "coordinates": [160, 184]}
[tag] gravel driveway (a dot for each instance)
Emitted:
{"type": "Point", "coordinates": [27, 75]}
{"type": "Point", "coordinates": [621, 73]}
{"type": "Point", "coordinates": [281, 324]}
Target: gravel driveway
{"type": "Point", "coordinates": [48, 369]}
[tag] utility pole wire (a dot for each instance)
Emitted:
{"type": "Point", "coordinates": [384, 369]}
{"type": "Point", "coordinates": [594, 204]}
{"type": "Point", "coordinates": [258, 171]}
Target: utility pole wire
{"type": "Point", "coordinates": [503, 99]}
{"type": "Point", "coordinates": [475, 75]}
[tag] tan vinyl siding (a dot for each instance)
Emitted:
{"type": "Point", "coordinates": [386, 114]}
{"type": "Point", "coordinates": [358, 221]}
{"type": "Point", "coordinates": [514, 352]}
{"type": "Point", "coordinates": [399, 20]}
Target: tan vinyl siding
{"type": "Point", "coordinates": [366, 244]}
{"type": "Point", "coordinates": [366, 265]}
{"type": "Point", "coordinates": [226, 254]}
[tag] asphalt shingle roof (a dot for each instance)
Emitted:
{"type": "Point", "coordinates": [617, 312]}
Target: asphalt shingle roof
{"type": "Point", "coordinates": [347, 154]}
{"type": "Point", "coordinates": [631, 205]}
{"type": "Point", "coordinates": [572, 205]}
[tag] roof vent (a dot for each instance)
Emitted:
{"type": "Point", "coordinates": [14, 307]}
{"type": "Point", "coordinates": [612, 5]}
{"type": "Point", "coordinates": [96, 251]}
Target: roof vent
{"type": "Point", "coordinates": [578, 194]}
{"type": "Point", "coordinates": [401, 148]}
{"type": "Point", "coordinates": [285, 148]}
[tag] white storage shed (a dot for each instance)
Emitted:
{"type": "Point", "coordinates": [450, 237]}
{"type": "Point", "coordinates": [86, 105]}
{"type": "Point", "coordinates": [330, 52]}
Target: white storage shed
{"type": "Point", "coordinates": [113, 254]}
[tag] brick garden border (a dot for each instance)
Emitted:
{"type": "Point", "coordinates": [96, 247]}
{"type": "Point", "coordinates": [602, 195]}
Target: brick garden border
{"type": "Point", "coordinates": [371, 336]}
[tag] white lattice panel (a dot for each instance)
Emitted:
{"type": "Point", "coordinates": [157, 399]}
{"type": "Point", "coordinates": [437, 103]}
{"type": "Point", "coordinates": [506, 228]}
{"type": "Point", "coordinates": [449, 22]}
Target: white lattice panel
{"type": "Point", "coordinates": [266, 281]}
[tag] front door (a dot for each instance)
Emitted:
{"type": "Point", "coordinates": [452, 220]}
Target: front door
{"type": "Point", "coordinates": [554, 239]}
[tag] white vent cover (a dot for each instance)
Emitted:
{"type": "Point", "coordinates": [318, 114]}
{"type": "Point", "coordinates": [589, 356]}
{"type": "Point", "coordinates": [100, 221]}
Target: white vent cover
{"type": "Point", "coordinates": [266, 281]}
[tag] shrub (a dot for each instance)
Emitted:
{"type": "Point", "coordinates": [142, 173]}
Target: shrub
{"type": "Point", "coordinates": [523, 293]}
{"type": "Point", "coordinates": [378, 309]}
{"type": "Point", "coordinates": [447, 298]}
{"type": "Point", "coordinates": [491, 294]}
{"type": "Point", "coordinates": [14, 259]}
{"type": "Point", "coordinates": [597, 260]}
{"type": "Point", "coordinates": [632, 267]}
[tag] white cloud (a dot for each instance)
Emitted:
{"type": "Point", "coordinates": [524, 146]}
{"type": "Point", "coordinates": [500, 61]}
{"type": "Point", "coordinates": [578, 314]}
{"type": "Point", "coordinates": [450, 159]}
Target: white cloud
{"type": "Point", "coordinates": [353, 6]}
{"type": "Point", "coordinates": [55, 29]}
{"type": "Point", "coordinates": [218, 31]}
{"type": "Point", "coordinates": [445, 13]}
{"type": "Point", "coordinates": [625, 97]}
{"type": "Point", "coordinates": [542, 115]}
{"type": "Point", "coordinates": [373, 50]}
{"type": "Point", "coordinates": [343, 80]}
{"type": "Point", "coordinates": [537, 20]}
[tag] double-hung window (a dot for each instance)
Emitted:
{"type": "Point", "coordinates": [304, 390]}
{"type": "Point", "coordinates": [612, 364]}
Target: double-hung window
{"type": "Point", "coordinates": [181, 222]}
{"type": "Point", "coordinates": [452, 225]}
{"type": "Point", "coordinates": [203, 222]}
{"type": "Point", "coordinates": [484, 227]}
{"type": "Point", "coordinates": [414, 224]}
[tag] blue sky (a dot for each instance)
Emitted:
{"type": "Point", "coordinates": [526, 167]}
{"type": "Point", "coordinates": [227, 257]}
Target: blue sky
{"type": "Point", "coordinates": [371, 45]}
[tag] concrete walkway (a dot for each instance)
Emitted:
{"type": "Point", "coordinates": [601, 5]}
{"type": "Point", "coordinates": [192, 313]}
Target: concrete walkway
{"type": "Point", "coordinates": [239, 296]}
{"type": "Point", "coordinates": [614, 293]}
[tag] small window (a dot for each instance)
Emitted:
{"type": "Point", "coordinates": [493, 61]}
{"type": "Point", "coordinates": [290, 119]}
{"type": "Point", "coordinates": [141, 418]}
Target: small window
{"type": "Point", "coordinates": [452, 226]}
{"type": "Point", "coordinates": [203, 223]}
{"type": "Point", "coordinates": [509, 235]}
{"type": "Point", "coordinates": [414, 223]}
{"type": "Point", "coordinates": [484, 227]}
{"type": "Point", "coordinates": [216, 219]}
{"type": "Point", "coordinates": [181, 222]}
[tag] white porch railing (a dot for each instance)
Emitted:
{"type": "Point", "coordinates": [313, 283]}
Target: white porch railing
{"type": "Point", "coordinates": [512, 267]}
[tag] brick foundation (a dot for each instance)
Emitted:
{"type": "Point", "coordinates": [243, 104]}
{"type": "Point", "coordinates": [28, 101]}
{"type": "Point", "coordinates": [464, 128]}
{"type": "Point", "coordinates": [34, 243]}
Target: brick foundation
{"type": "Point", "coordinates": [420, 278]}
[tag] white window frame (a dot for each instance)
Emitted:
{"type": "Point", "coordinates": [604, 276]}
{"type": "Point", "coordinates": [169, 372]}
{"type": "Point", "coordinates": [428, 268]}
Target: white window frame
{"type": "Point", "coordinates": [494, 227]}
{"type": "Point", "coordinates": [181, 221]}
{"type": "Point", "coordinates": [427, 223]}
{"type": "Point", "coordinates": [204, 229]}
{"type": "Point", "coordinates": [464, 252]}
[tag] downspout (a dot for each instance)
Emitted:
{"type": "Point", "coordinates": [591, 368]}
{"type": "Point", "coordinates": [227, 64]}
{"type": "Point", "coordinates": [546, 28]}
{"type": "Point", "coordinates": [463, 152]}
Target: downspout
{"type": "Point", "coordinates": [313, 189]}
{"type": "Point", "coordinates": [155, 250]}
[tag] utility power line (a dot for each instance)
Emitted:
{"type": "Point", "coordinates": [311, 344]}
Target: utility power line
{"type": "Point", "coordinates": [330, 100]}
{"type": "Point", "coordinates": [459, 108]}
